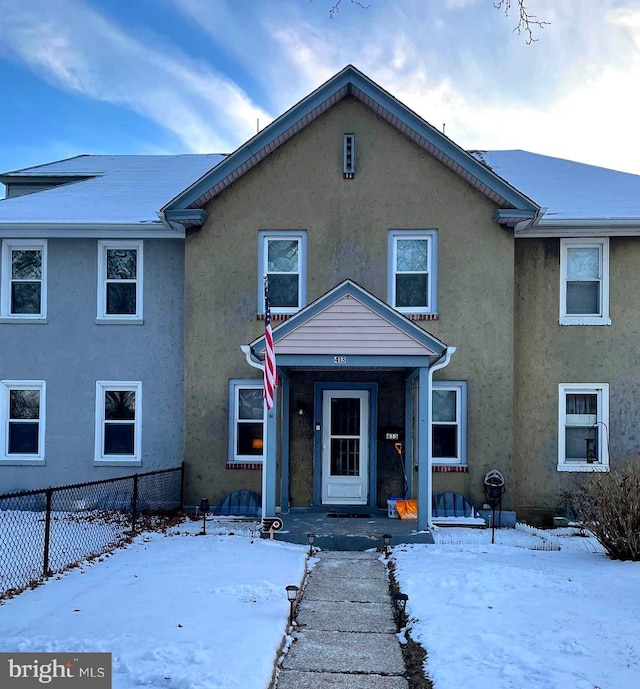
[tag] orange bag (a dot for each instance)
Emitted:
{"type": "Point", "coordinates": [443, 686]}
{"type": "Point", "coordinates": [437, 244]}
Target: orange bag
{"type": "Point", "coordinates": [407, 509]}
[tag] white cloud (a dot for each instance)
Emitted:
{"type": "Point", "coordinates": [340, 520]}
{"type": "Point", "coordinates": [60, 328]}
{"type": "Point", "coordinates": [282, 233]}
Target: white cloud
{"type": "Point", "coordinates": [76, 48]}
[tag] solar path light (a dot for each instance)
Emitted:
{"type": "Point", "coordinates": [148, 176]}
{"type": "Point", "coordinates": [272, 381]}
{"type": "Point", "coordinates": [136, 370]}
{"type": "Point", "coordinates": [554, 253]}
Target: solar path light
{"type": "Point", "coordinates": [292, 594]}
{"type": "Point", "coordinates": [310, 540]}
{"type": "Point", "coordinates": [205, 509]}
{"type": "Point", "coordinates": [386, 540]}
{"type": "Point", "coordinates": [400, 606]}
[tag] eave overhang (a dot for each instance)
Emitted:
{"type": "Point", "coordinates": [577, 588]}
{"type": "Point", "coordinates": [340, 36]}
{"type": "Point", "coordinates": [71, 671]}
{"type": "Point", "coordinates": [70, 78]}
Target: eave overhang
{"type": "Point", "coordinates": [43, 230]}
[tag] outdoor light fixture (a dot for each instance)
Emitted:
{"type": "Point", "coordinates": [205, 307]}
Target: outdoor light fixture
{"type": "Point", "coordinates": [400, 605]}
{"type": "Point", "coordinates": [205, 509]}
{"type": "Point", "coordinates": [292, 594]}
{"type": "Point", "coordinates": [311, 537]}
{"type": "Point", "coordinates": [386, 539]}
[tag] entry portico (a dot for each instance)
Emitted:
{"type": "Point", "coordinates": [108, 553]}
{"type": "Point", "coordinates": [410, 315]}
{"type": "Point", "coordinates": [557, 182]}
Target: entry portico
{"type": "Point", "coordinates": [348, 364]}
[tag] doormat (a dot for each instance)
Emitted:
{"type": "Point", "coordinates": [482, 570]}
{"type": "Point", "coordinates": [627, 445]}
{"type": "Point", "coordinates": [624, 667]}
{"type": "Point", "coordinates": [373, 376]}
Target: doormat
{"type": "Point", "coordinates": [348, 515]}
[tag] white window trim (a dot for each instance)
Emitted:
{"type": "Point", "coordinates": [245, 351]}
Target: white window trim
{"type": "Point", "coordinates": [8, 245]}
{"type": "Point", "coordinates": [460, 388]}
{"type": "Point", "coordinates": [264, 236]}
{"type": "Point", "coordinates": [103, 386]}
{"type": "Point", "coordinates": [602, 420]}
{"type": "Point", "coordinates": [584, 319]}
{"type": "Point", "coordinates": [431, 236]}
{"type": "Point", "coordinates": [5, 387]}
{"type": "Point", "coordinates": [103, 246]}
{"type": "Point", "coordinates": [234, 387]}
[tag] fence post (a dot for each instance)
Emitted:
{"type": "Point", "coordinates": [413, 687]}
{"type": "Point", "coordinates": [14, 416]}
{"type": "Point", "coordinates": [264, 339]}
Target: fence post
{"type": "Point", "coordinates": [182, 485]}
{"type": "Point", "coordinates": [47, 532]}
{"type": "Point", "coordinates": [134, 505]}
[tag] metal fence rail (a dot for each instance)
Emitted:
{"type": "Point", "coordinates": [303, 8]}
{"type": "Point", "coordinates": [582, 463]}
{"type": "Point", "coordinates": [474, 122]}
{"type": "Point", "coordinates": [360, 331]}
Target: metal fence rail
{"type": "Point", "coordinates": [46, 531]}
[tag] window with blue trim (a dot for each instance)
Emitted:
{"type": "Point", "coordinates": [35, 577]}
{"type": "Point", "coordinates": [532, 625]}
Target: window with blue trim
{"type": "Point", "coordinates": [413, 258]}
{"type": "Point", "coordinates": [246, 421]}
{"type": "Point", "coordinates": [282, 258]}
{"type": "Point", "coordinates": [449, 422]}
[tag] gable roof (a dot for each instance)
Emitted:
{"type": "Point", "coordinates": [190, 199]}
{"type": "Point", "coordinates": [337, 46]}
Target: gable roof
{"type": "Point", "coordinates": [567, 190]}
{"type": "Point", "coordinates": [113, 189]}
{"type": "Point", "coordinates": [405, 336]}
{"type": "Point", "coordinates": [351, 81]}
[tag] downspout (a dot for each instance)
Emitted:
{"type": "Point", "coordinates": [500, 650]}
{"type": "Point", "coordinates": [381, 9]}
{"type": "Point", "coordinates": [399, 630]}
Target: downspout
{"type": "Point", "coordinates": [440, 363]}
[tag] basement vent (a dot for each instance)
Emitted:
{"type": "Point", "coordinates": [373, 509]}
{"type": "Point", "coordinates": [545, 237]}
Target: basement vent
{"type": "Point", "coordinates": [349, 156]}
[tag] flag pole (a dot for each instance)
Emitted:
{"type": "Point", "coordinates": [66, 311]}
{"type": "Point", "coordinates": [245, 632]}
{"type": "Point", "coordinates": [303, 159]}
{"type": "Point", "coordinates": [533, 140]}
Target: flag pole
{"type": "Point", "coordinates": [270, 381]}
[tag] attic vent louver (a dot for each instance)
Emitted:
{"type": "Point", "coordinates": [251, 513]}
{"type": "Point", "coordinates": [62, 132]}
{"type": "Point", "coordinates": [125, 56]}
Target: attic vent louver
{"type": "Point", "coordinates": [349, 156]}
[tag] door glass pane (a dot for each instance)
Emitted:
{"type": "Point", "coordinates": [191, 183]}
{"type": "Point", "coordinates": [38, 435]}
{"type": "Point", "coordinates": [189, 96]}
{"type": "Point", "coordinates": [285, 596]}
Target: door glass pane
{"type": "Point", "coordinates": [24, 404]}
{"type": "Point", "coordinates": [345, 456]}
{"type": "Point", "coordinates": [26, 265]}
{"type": "Point", "coordinates": [121, 298]}
{"type": "Point", "coordinates": [121, 264]}
{"type": "Point", "coordinates": [445, 441]}
{"type": "Point", "coordinates": [412, 255]}
{"type": "Point", "coordinates": [444, 405]}
{"type": "Point", "coordinates": [25, 297]}
{"type": "Point", "coordinates": [251, 403]}
{"type": "Point", "coordinates": [583, 297]}
{"type": "Point", "coordinates": [23, 438]}
{"type": "Point", "coordinates": [119, 438]}
{"type": "Point", "coordinates": [282, 256]}
{"type": "Point", "coordinates": [411, 290]}
{"type": "Point", "coordinates": [283, 291]}
{"type": "Point", "coordinates": [576, 438]}
{"type": "Point", "coordinates": [345, 416]}
{"type": "Point", "coordinates": [120, 405]}
{"type": "Point", "coordinates": [583, 263]}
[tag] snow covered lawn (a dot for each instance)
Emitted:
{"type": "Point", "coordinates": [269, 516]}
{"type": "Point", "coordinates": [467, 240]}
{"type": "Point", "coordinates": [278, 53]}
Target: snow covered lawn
{"type": "Point", "coordinates": [510, 618]}
{"type": "Point", "coordinates": [178, 612]}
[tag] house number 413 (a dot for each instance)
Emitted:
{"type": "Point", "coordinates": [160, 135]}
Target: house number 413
{"type": "Point", "coordinates": [340, 359]}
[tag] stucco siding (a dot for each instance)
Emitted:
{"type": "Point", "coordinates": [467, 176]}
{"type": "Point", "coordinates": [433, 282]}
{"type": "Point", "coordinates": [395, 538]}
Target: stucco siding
{"type": "Point", "coordinates": [548, 354]}
{"type": "Point", "coordinates": [397, 186]}
{"type": "Point", "coordinates": [71, 352]}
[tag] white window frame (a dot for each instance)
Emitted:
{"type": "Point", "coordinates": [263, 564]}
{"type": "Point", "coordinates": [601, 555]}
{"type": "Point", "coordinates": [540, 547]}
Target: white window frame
{"type": "Point", "coordinates": [103, 247]}
{"type": "Point", "coordinates": [431, 237]}
{"type": "Point", "coordinates": [9, 245]}
{"type": "Point", "coordinates": [234, 395]}
{"type": "Point", "coordinates": [103, 386]}
{"type": "Point", "coordinates": [264, 237]}
{"type": "Point", "coordinates": [601, 243]}
{"type": "Point", "coordinates": [460, 388]}
{"type": "Point", "coordinates": [601, 390]}
{"type": "Point", "coordinates": [5, 388]}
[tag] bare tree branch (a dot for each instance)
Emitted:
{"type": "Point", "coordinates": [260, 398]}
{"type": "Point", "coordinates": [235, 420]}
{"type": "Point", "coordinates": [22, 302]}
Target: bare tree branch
{"type": "Point", "coordinates": [336, 8]}
{"type": "Point", "coordinates": [526, 20]}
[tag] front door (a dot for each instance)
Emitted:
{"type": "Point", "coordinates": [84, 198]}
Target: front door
{"type": "Point", "coordinates": [345, 447]}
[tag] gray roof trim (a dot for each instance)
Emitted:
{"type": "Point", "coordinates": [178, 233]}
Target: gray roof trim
{"type": "Point", "coordinates": [95, 231]}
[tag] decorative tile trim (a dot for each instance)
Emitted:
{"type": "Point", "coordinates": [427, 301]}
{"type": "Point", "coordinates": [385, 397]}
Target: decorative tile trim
{"type": "Point", "coordinates": [244, 465]}
{"type": "Point", "coordinates": [276, 316]}
{"type": "Point", "coordinates": [421, 316]}
{"type": "Point", "coordinates": [443, 469]}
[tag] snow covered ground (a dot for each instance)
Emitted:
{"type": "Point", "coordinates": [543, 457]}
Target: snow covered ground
{"type": "Point", "coordinates": [511, 618]}
{"type": "Point", "coordinates": [178, 612]}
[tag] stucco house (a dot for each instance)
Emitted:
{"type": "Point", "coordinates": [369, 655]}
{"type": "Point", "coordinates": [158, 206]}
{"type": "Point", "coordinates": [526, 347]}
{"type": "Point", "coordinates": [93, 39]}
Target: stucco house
{"type": "Point", "coordinates": [437, 313]}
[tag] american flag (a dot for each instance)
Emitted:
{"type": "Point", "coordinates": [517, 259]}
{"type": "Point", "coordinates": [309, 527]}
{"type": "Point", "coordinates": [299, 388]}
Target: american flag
{"type": "Point", "coordinates": [270, 372]}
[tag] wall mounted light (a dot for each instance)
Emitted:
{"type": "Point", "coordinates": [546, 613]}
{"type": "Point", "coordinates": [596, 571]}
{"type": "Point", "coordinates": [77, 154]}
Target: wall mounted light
{"type": "Point", "coordinates": [302, 409]}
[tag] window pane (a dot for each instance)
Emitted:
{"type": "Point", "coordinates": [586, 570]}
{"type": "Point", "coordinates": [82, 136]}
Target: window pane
{"type": "Point", "coordinates": [412, 254]}
{"type": "Point", "coordinates": [121, 298]}
{"type": "Point", "coordinates": [25, 297]}
{"type": "Point", "coordinates": [411, 290]}
{"type": "Point", "coordinates": [282, 256]}
{"type": "Point", "coordinates": [250, 440]}
{"type": "Point", "coordinates": [445, 441]}
{"type": "Point", "coordinates": [583, 297]}
{"type": "Point", "coordinates": [583, 264]}
{"type": "Point", "coordinates": [444, 405]}
{"type": "Point", "coordinates": [283, 290]}
{"type": "Point", "coordinates": [119, 438]}
{"type": "Point", "coordinates": [24, 404]}
{"type": "Point", "coordinates": [23, 438]}
{"type": "Point", "coordinates": [576, 438]}
{"type": "Point", "coordinates": [26, 265]}
{"type": "Point", "coordinates": [120, 405]}
{"type": "Point", "coordinates": [250, 403]}
{"type": "Point", "coordinates": [582, 404]}
{"type": "Point", "coordinates": [121, 264]}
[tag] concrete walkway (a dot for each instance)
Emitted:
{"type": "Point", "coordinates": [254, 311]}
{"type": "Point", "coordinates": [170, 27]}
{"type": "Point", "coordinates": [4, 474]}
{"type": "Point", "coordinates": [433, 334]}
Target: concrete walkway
{"type": "Point", "coordinates": [345, 637]}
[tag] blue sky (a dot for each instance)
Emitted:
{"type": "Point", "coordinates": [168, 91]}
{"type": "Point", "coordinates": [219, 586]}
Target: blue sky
{"type": "Point", "coordinates": [191, 76]}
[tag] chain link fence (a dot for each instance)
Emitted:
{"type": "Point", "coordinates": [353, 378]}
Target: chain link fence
{"type": "Point", "coordinates": [43, 532]}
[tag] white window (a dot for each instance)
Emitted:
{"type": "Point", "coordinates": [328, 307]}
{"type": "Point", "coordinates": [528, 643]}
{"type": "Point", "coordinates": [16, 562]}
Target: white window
{"type": "Point", "coordinates": [283, 261]}
{"type": "Point", "coordinates": [412, 271]}
{"type": "Point", "coordinates": [22, 406]}
{"type": "Point", "coordinates": [118, 414]}
{"type": "Point", "coordinates": [449, 422]}
{"type": "Point", "coordinates": [24, 279]}
{"type": "Point", "coordinates": [120, 280]}
{"type": "Point", "coordinates": [246, 421]}
{"type": "Point", "coordinates": [584, 282]}
{"type": "Point", "coordinates": [583, 427]}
